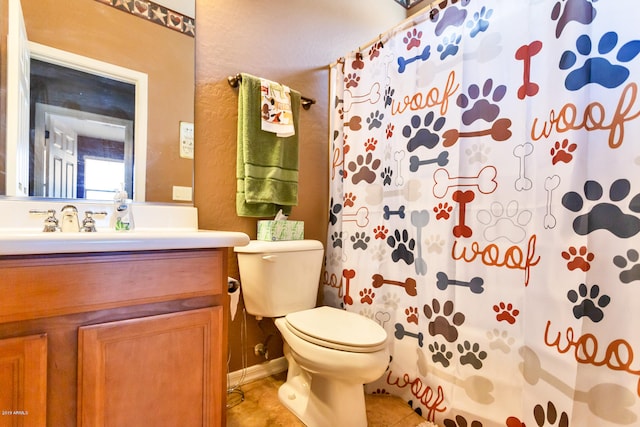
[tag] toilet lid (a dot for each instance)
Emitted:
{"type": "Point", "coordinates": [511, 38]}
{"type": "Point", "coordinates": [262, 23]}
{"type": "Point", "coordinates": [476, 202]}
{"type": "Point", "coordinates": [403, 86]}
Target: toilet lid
{"type": "Point", "coordinates": [338, 329]}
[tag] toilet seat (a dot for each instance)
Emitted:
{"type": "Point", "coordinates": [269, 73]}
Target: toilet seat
{"type": "Point", "coordinates": [337, 329]}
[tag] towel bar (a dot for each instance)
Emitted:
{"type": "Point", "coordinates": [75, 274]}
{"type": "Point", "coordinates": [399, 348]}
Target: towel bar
{"type": "Point", "coordinates": [234, 81]}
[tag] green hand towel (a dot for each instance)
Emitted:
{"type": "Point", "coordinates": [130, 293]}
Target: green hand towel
{"type": "Point", "coordinates": [267, 165]}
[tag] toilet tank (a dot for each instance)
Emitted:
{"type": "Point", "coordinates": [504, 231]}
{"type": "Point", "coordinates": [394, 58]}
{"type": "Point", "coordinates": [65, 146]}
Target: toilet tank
{"type": "Point", "coordinates": [279, 277]}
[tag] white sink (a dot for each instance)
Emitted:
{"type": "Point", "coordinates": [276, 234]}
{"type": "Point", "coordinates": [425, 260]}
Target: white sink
{"type": "Point", "coordinates": [158, 227]}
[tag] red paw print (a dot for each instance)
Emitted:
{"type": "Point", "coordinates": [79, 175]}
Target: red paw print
{"type": "Point", "coordinates": [578, 258]}
{"type": "Point", "coordinates": [349, 199]}
{"type": "Point", "coordinates": [561, 152]}
{"type": "Point", "coordinates": [443, 210]}
{"type": "Point", "coordinates": [380, 232]}
{"type": "Point", "coordinates": [412, 314]}
{"type": "Point", "coordinates": [390, 129]}
{"type": "Point", "coordinates": [412, 39]}
{"type": "Point", "coordinates": [366, 296]}
{"type": "Point", "coordinates": [370, 144]}
{"type": "Point", "coordinates": [506, 312]}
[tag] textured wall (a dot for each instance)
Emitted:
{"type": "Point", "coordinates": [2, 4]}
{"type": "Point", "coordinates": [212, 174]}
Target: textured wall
{"type": "Point", "coordinates": [290, 41]}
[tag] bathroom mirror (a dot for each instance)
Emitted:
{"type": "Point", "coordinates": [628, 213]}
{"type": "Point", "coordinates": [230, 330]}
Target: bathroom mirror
{"type": "Point", "coordinates": [152, 39]}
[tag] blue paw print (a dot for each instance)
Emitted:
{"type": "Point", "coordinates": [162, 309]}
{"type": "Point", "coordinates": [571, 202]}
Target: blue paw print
{"type": "Point", "coordinates": [485, 108]}
{"type": "Point", "coordinates": [598, 69]}
{"type": "Point", "coordinates": [480, 21]}
{"type": "Point", "coordinates": [590, 305]}
{"type": "Point", "coordinates": [604, 216]}
{"type": "Point", "coordinates": [449, 46]}
{"type": "Point", "coordinates": [403, 245]}
{"type": "Point", "coordinates": [423, 137]}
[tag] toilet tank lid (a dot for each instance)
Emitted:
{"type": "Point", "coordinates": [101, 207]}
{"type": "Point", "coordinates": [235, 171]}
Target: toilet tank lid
{"type": "Point", "coordinates": [262, 246]}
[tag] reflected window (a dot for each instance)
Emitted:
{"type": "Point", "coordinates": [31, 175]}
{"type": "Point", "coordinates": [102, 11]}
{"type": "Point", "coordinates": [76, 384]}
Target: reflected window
{"type": "Point", "coordinates": [102, 178]}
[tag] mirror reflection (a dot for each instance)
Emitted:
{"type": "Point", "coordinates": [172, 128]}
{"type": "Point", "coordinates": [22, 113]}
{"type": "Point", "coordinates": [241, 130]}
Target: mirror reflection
{"type": "Point", "coordinates": [108, 122]}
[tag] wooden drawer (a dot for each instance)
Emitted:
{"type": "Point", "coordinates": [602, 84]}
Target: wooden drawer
{"type": "Point", "coordinates": [54, 285]}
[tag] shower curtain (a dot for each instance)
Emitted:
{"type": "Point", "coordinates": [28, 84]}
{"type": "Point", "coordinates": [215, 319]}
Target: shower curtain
{"type": "Point", "coordinates": [485, 209]}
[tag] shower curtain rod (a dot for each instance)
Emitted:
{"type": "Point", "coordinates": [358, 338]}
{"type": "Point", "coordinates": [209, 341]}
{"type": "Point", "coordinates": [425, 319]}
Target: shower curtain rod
{"type": "Point", "coordinates": [412, 20]}
{"type": "Point", "coordinates": [234, 81]}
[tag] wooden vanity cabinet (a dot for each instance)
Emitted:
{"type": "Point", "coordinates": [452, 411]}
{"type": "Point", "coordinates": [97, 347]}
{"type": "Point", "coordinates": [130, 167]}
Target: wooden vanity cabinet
{"type": "Point", "coordinates": [114, 339]}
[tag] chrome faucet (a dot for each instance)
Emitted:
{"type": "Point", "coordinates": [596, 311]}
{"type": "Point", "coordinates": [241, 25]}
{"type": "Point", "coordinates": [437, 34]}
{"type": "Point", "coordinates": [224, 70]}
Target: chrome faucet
{"type": "Point", "coordinates": [69, 221]}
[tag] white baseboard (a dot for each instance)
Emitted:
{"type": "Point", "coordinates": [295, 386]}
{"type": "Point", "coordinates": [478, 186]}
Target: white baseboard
{"type": "Point", "coordinates": [256, 372]}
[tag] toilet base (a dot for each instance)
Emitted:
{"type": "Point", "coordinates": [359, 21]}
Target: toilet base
{"type": "Point", "coordinates": [322, 402]}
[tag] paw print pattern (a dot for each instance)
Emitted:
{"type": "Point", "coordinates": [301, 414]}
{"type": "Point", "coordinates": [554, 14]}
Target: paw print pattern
{"type": "Point", "coordinates": [349, 199]}
{"type": "Point", "coordinates": [633, 273]}
{"type": "Point", "coordinates": [403, 247]}
{"type": "Point", "coordinates": [482, 109]}
{"type": "Point", "coordinates": [598, 70]}
{"type": "Point", "coordinates": [567, 11]}
{"type": "Point", "coordinates": [451, 17]}
{"type": "Point", "coordinates": [366, 296]}
{"type": "Point", "coordinates": [412, 39]}
{"type": "Point", "coordinates": [435, 244]}
{"type": "Point", "coordinates": [590, 305]}
{"type": "Point", "coordinates": [412, 314]}
{"type": "Point", "coordinates": [370, 144]}
{"type": "Point", "coordinates": [562, 151]}
{"type": "Point", "coordinates": [506, 313]}
{"type": "Point", "coordinates": [391, 301]}
{"type": "Point", "coordinates": [478, 153]}
{"type": "Point", "coordinates": [578, 258]}
{"type": "Point", "coordinates": [471, 354]}
{"type": "Point", "coordinates": [500, 341]}
{"type": "Point", "coordinates": [365, 167]}
{"type": "Point", "coordinates": [423, 137]}
{"type": "Point", "coordinates": [505, 222]}
{"type": "Point", "coordinates": [440, 354]}
{"type": "Point", "coordinates": [380, 232]}
{"type": "Point", "coordinates": [336, 239]}
{"type": "Point", "coordinates": [479, 21]}
{"type": "Point", "coordinates": [449, 45]}
{"type": "Point", "coordinates": [390, 129]}
{"type": "Point", "coordinates": [375, 120]}
{"type": "Point", "coordinates": [461, 421]}
{"type": "Point", "coordinates": [443, 324]}
{"type": "Point", "coordinates": [375, 49]}
{"type": "Point", "coordinates": [551, 416]}
{"type": "Point", "coordinates": [443, 210]}
{"type": "Point", "coordinates": [604, 216]}
{"type": "Point", "coordinates": [388, 96]}
{"type": "Point", "coordinates": [351, 80]}
{"type": "Point", "coordinates": [360, 241]}
{"type": "Point", "coordinates": [386, 175]}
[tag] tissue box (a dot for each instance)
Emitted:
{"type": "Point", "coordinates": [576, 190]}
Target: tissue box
{"type": "Point", "coordinates": [280, 230]}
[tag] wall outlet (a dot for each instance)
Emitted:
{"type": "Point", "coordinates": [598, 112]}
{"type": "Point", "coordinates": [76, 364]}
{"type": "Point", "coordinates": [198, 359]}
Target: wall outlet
{"type": "Point", "coordinates": [183, 194]}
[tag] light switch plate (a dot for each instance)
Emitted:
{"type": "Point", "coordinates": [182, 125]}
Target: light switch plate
{"type": "Point", "coordinates": [186, 140]}
{"type": "Point", "coordinates": [183, 194]}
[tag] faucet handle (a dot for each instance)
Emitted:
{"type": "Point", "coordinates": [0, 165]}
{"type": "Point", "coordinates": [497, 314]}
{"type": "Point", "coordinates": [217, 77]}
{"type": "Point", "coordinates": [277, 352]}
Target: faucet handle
{"type": "Point", "coordinates": [89, 223]}
{"type": "Point", "coordinates": [50, 222]}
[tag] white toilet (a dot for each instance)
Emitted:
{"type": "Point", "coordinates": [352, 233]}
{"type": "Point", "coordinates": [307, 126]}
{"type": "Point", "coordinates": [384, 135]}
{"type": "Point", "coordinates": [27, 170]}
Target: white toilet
{"type": "Point", "coordinates": [331, 352]}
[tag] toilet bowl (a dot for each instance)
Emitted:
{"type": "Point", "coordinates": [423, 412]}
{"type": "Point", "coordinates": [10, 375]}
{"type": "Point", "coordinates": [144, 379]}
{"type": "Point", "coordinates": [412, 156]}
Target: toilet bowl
{"type": "Point", "coordinates": [324, 384]}
{"type": "Point", "coordinates": [331, 352]}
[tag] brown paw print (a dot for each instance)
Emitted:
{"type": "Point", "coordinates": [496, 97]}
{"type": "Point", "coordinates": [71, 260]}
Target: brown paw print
{"type": "Point", "coordinates": [349, 199]}
{"type": "Point", "coordinates": [412, 314]}
{"type": "Point", "coordinates": [366, 296]}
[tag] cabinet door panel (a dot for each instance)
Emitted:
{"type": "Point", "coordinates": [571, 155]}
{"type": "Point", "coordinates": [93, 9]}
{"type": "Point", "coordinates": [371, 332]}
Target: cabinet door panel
{"type": "Point", "coordinates": [159, 370]}
{"type": "Point", "coordinates": [23, 381]}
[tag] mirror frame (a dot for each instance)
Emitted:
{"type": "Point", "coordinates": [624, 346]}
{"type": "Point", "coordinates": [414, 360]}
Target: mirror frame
{"type": "Point", "coordinates": [138, 79]}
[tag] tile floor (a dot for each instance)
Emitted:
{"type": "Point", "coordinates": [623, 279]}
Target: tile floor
{"type": "Point", "coordinates": [261, 408]}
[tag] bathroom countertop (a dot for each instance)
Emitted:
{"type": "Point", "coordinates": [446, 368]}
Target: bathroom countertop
{"type": "Point", "coordinates": [36, 242]}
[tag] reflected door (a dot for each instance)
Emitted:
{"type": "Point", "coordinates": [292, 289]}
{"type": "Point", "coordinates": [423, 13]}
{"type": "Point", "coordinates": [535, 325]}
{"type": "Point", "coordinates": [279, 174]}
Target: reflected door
{"type": "Point", "coordinates": [62, 159]}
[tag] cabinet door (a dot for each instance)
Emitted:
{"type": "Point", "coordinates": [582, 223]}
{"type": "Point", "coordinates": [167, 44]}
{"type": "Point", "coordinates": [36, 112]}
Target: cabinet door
{"type": "Point", "coordinates": [23, 381]}
{"type": "Point", "coordinates": [155, 371]}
